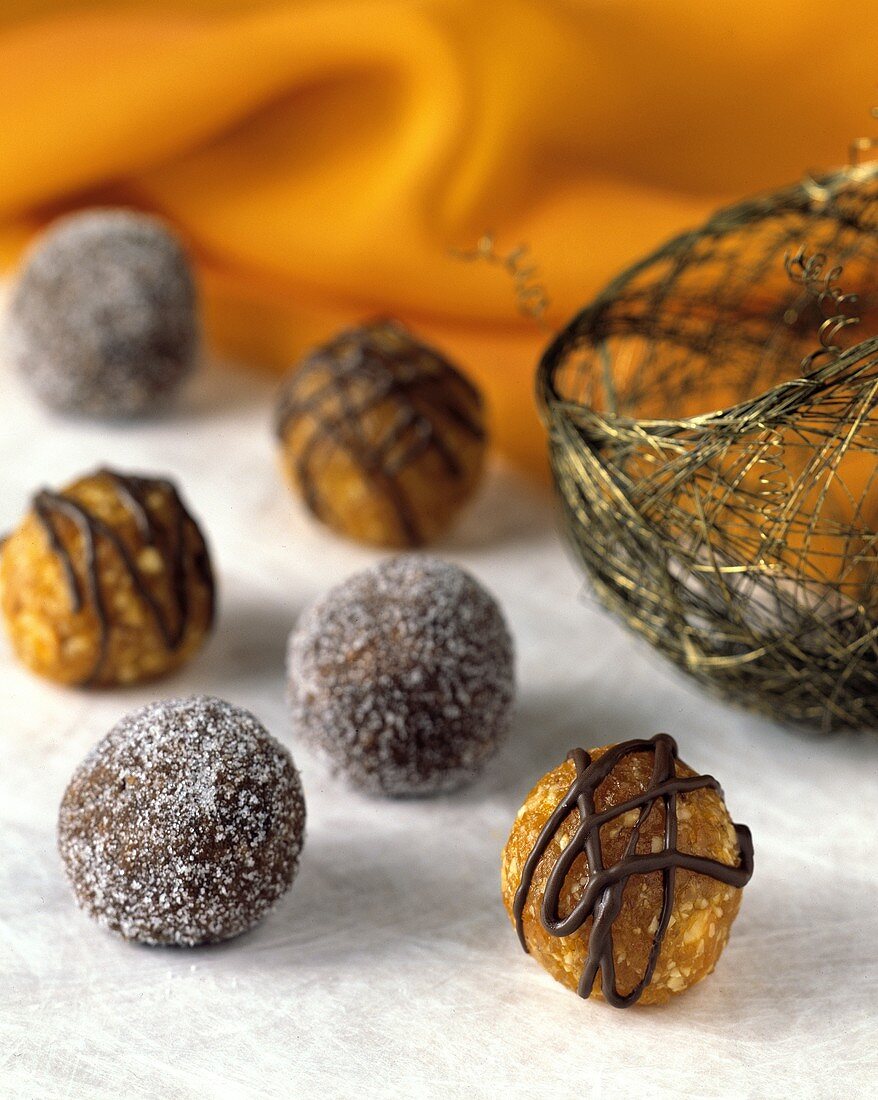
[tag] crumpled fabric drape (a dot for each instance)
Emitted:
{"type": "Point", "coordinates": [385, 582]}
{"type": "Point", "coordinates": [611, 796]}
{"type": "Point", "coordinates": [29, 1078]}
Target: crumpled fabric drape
{"type": "Point", "coordinates": [325, 159]}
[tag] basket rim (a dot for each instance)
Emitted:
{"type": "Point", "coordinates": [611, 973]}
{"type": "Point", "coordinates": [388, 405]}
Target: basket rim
{"type": "Point", "coordinates": [810, 192]}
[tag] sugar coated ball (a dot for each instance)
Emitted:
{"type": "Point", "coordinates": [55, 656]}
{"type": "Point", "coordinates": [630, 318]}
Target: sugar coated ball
{"type": "Point", "coordinates": [184, 825]}
{"type": "Point", "coordinates": [107, 582]}
{"type": "Point", "coordinates": [623, 872]}
{"type": "Point", "coordinates": [402, 677]}
{"type": "Point", "coordinates": [102, 319]}
{"type": "Point", "coordinates": [381, 436]}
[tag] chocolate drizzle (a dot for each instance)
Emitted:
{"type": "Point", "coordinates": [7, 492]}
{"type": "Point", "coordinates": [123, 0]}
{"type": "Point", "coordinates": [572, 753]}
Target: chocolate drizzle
{"type": "Point", "coordinates": [359, 372]}
{"type": "Point", "coordinates": [169, 540]}
{"type": "Point", "coordinates": [602, 896]}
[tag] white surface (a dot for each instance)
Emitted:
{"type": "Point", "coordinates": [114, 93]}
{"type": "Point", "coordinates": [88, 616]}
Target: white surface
{"type": "Point", "coordinates": [390, 970]}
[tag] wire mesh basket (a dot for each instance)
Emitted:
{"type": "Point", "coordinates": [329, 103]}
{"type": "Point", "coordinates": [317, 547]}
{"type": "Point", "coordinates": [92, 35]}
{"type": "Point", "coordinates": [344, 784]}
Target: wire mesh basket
{"type": "Point", "coordinates": [716, 459]}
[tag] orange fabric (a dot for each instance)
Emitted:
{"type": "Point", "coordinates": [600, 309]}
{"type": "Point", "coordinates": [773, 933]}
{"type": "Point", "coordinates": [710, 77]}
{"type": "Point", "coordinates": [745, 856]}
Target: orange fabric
{"type": "Point", "coordinates": [323, 158]}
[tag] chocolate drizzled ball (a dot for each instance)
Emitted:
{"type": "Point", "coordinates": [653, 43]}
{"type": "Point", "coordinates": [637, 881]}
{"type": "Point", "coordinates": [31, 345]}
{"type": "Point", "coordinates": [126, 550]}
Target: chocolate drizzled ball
{"type": "Point", "coordinates": [102, 320]}
{"type": "Point", "coordinates": [402, 677]}
{"type": "Point", "coordinates": [107, 582]}
{"type": "Point", "coordinates": [623, 872]}
{"type": "Point", "coordinates": [184, 825]}
{"type": "Point", "coordinates": [382, 436]}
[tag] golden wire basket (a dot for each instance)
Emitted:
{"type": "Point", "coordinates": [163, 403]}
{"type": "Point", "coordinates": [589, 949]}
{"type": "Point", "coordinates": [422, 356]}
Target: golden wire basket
{"type": "Point", "coordinates": [713, 437]}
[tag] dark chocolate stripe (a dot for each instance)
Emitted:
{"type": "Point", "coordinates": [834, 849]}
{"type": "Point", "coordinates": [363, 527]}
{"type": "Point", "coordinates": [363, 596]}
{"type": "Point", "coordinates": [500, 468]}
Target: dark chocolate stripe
{"type": "Point", "coordinates": [363, 374]}
{"type": "Point", "coordinates": [602, 897]}
{"type": "Point", "coordinates": [172, 624]}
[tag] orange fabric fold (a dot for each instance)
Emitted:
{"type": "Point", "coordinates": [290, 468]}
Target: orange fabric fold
{"type": "Point", "coordinates": [325, 159]}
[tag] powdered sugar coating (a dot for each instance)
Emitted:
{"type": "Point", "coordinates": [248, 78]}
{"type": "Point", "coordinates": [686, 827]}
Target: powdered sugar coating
{"type": "Point", "coordinates": [403, 676]}
{"type": "Point", "coordinates": [184, 825]}
{"type": "Point", "coordinates": [102, 319]}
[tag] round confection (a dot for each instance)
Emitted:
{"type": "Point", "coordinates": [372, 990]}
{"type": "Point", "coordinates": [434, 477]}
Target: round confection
{"type": "Point", "coordinates": [184, 825]}
{"type": "Point", "coordinates": [102, 320]}
{"type": "Point", "coordinates": [402, 677]}
{"type": "Point", "coordinates": [623, 872]}
{"type": "Point", "coordinates": [107, 582]}
{"type": "Point", "coordinates": [381, 436]}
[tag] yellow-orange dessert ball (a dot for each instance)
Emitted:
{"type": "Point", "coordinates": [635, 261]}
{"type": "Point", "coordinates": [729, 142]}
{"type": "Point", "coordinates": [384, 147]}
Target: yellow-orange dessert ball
{"type": "Point", "coordinates": [107, 582]}
{"type": "Point", "coordinates": [634, 934]}
{"type": "Point", "coordinates": [381, 436]}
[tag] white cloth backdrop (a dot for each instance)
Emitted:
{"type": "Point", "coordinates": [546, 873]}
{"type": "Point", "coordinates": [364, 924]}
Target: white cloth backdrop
{"type": "Point", "coordinates": [390, 970]}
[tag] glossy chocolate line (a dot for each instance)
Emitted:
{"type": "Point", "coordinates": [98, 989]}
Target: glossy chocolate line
{"type": "Point", "coordinates": [132, 490]}
{"type": "Point", "coordinates": [46, 505]}
{"type": "Point", "coordinates": [602, 898]}
{"type": "Point", "coordinates": [388, 386]}
{"type": "Point", "coordinates": [344, 431]}
{"type": "Point", "coordinates": [368, 357]}
{"type": "Point", "coordinates": [174, 553]}
{"type": "Point", "coordinates": [368, 363]}
{"type": "Point", "coordinates": [172, 627]}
